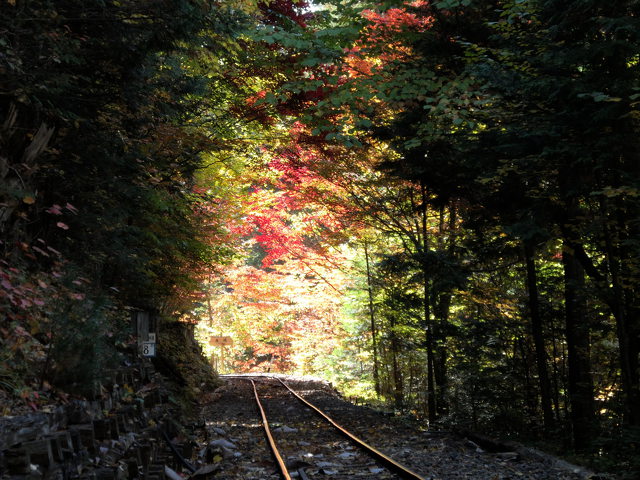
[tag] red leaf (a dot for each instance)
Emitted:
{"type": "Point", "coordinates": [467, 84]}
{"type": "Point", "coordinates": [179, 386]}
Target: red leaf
{"type": "Point", "coordinates": [54, 209]}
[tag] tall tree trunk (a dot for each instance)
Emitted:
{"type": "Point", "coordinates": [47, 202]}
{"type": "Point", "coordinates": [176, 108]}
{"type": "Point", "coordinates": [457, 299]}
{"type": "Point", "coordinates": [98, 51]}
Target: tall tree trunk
{"type": "Point", "coordinates": [440, 355]}
{"type": "Point", "coordinates": [442, 310]}
{"type": "Point", "coordinates": [578, 346]}
{"type": "Point", "coordinates": [618, 288]}
{"type": "Point", "coordinates": [556, 377]}
{"type": "Point", "coordinates": [538, 335]}
{"type": "Point", "coordinates": [530, 399]}
{"type": "Point", "coordinates": [431, 397]}
{"type": "Point", "coordinates": [431, 394]}
{"type": "Point", "coordinates": [398, 392]}
{"type": "Point", "coordinates": [372, 318]}
{"type": "Point", "coordinates": [625, 308]}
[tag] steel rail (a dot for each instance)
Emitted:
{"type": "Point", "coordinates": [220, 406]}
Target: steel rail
{"type": "Point", "coordinates": [272, 442]}
{"type": "Point", "coordinates": [388, 461]}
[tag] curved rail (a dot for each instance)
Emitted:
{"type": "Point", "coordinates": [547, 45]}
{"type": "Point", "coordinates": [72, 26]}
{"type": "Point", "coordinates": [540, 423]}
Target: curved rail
{"type": "Point", "coordinates": [272, 442]}
{"type": "Point", "coordinates": [396, 467]}
{"type": "Point", "coordinates": [388, 461]}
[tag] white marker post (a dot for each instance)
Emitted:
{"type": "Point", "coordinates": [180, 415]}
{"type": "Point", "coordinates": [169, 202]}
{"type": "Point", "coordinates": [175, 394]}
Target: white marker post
{"type": "Point", "coordinates": [146, 327]}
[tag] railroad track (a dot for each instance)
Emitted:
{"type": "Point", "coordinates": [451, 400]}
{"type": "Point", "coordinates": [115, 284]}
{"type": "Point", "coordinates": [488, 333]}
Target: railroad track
{"type": "Point", "coordinates": [292, 425]}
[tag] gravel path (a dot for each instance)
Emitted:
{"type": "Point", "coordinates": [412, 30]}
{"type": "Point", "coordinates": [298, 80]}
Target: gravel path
{"type": "Point", "coordinates": [237, 445]}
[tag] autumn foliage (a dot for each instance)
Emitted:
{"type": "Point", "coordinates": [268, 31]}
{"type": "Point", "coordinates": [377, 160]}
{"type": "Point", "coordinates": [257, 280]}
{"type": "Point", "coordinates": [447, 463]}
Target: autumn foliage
{"type": "Point", "coordinates": [434, 203]}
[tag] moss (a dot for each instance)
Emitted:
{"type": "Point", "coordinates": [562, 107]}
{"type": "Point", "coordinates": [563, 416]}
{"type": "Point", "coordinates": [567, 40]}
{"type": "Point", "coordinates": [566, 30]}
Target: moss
{"type": "Point", "coordinates": [179, 357]}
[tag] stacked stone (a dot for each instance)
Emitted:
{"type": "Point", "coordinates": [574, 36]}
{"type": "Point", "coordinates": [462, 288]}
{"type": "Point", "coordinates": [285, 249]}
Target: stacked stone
{"type": "Point", "coordinates": [111, 437]}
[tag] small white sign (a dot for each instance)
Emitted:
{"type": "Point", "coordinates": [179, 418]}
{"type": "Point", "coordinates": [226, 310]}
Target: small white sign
{"type": "Point", "coordinates": [148, 349]}
{"type": "Point", "coordinates": [152, 338]}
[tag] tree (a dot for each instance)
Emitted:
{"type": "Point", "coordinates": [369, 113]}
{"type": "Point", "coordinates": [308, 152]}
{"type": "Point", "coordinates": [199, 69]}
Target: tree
{"type": "Point", "coordinates": [107, 116]}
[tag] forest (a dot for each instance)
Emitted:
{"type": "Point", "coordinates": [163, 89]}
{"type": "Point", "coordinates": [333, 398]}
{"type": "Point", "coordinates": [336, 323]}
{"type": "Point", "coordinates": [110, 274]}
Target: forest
{"type": "Point", "coordinates": [433, 204]}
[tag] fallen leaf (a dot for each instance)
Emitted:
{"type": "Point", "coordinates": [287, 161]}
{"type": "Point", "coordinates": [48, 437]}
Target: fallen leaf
{"type": "Point", "coordinates": [71, 208]}
{"type": "Point", "coordinates": [54, 209]}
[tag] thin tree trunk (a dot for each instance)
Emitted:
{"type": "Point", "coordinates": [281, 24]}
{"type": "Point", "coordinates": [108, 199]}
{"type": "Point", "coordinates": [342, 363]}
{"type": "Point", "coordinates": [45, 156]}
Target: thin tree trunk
{"type": "Point", "coordinates": [441, 313]}
{"type": "Point", "coordinates": [556, 377]}
{"type": "Point", "coordinates": [374, 333]}
{"type": "Point", "coordinates": [530, 402]}
{"type": "Point", "coordinates": [538, 336]}
{"type": "Point", "coordinates": [398, 393]}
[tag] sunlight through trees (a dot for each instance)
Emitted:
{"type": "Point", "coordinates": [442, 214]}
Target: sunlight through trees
{"type": "Point", "coordinates": [433, 204]}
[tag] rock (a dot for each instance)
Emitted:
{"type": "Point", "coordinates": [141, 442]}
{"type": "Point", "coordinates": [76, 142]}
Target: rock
{"type": "Point", "coordinates": [23, 428]}
{"type": "Point", "coordinates": [346, 455]}
{"type": "Point", "coordinates": [223, 443]}
{"type": "Point", "coordinates": [285, 429]}
{"type": "Point", "coordinates": [205, 470]}
{"type": "Point", "coordinates": [507, 455]}
{"type": "Point", "coordinates": [221, 448]}
{"type": "Point", "coordinates": [171, 474]}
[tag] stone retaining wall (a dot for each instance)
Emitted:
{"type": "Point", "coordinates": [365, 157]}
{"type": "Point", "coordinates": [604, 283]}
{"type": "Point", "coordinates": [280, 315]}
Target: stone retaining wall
{"type": "Point", "coordinates": [117, 436]}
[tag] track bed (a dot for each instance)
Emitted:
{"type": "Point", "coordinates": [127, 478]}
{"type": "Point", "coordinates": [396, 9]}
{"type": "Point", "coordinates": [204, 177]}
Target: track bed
{"type": "Point", "coordinates": [311, 448]}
